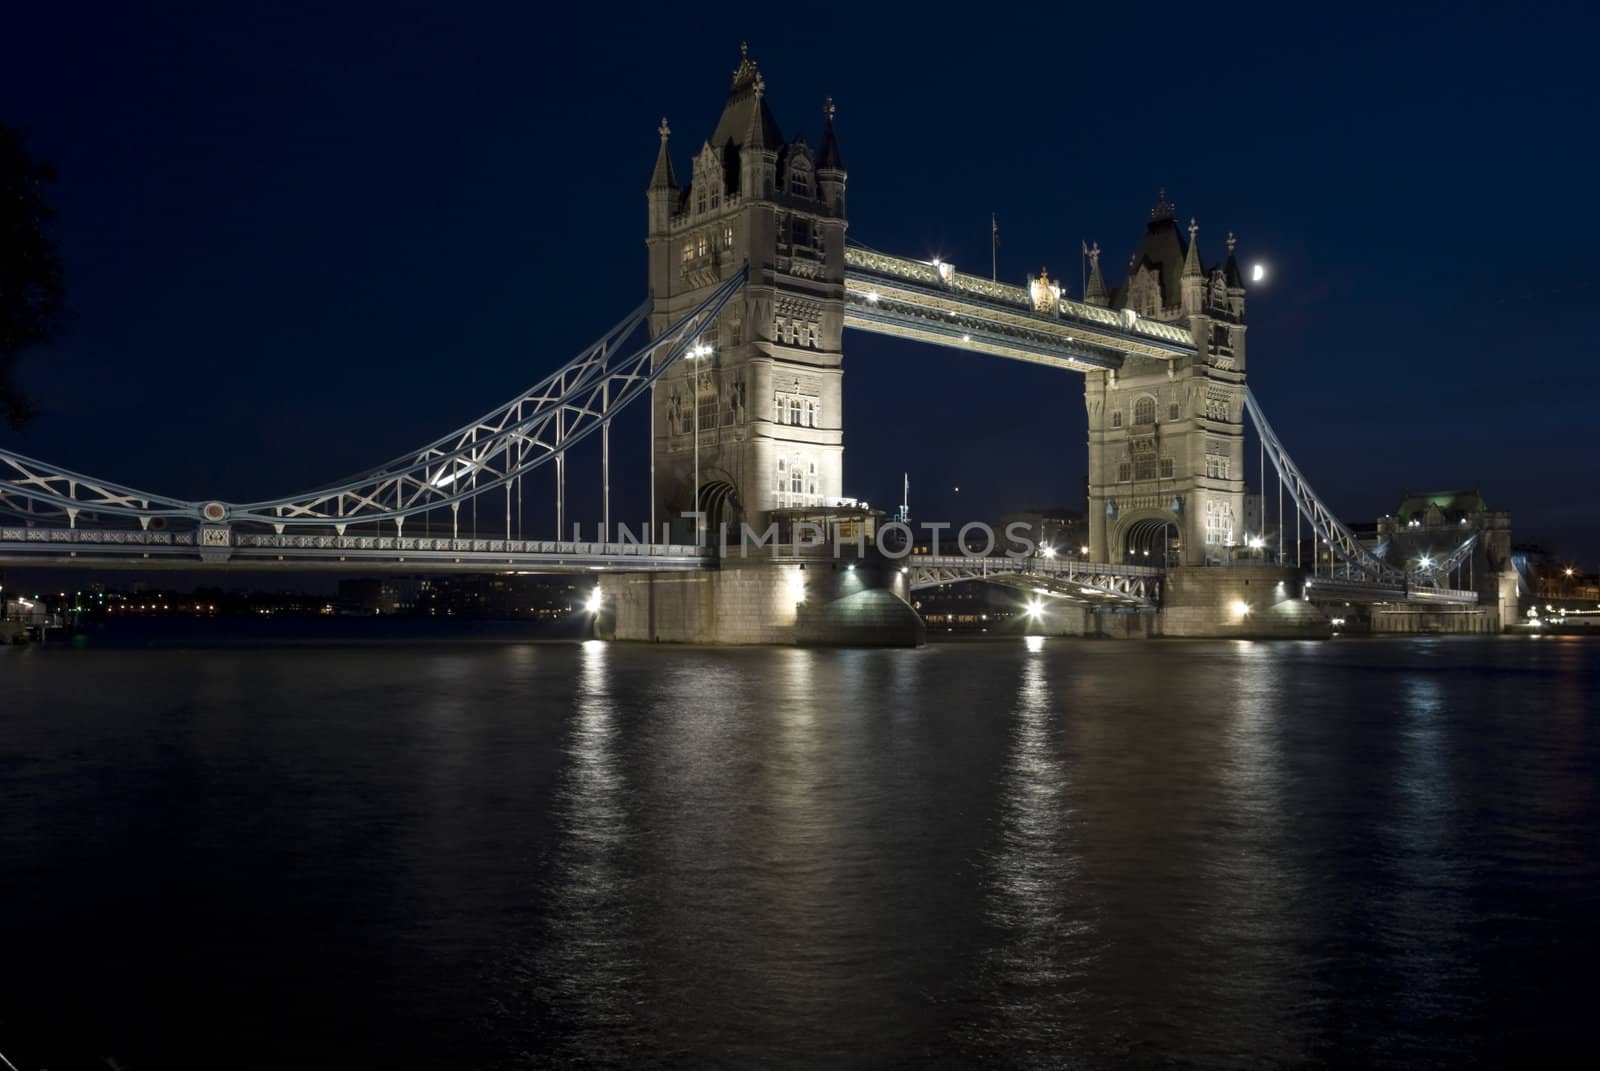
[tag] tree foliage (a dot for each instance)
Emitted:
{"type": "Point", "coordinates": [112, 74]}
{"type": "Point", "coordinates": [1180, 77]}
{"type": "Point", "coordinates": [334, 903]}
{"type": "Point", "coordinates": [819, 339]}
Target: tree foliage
{"type": "Point", "coordinates": [31, 291]}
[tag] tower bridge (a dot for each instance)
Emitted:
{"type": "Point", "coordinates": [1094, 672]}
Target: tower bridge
{"type": "Point", "coordinates": [752, 285]}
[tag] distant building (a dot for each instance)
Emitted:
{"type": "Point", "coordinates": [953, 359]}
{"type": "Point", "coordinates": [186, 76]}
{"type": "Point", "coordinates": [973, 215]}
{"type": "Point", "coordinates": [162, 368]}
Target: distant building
{"type": "Point", "coordinates": [1066, 530]}
{"type": "Point", "coordinates": [499, 596]}
{"type": "Point", "coordinates": [1429, 526]}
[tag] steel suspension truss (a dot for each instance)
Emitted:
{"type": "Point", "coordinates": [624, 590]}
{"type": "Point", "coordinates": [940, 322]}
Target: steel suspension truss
{"type": "Point", "coordinates": [1368, 565]}
{"type": "Point", "coordinates": [493, 452]}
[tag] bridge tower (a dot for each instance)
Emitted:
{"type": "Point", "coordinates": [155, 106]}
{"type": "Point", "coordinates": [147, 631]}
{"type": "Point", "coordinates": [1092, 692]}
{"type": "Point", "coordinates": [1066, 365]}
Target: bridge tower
{"type": "Point", "coordinates": [1166, 438]}
{"type": "Point", "coordinates": [765, 402]}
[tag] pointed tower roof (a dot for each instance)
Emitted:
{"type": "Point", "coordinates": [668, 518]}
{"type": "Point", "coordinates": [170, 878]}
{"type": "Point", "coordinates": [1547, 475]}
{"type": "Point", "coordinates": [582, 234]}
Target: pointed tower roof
{"type": "Point", "coordinates": [746, 120]}
{"type": "Point", "coordinates": [1231, 273]}
{"type": "Point", "coordinates": [1162, 250]}
{"type": "Point", "coordinates": [1191, 258]}
{"type": "Point", "coordinates": [663, 177]}
{"type": "Point", "coordinates": [1095, 290]}
{"type": "Point", "coordinates": [828, 157]}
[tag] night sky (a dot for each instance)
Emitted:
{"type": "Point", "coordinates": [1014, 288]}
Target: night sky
{"type": "Point", "coordinates": [301, 240]}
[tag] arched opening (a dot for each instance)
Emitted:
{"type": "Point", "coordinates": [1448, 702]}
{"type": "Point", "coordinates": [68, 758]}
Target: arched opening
{"type": "Point", "coordinates": [1152, 541]}
{"type": "Point", "coordinates": [719, 501]}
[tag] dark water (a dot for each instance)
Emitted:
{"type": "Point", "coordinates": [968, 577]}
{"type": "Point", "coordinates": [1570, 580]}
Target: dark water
{"type": "Point", "coordinates": [1378, 853]}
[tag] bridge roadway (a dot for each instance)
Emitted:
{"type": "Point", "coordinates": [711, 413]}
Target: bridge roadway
{"type": "Point", "coordinates": [1094, 583]}
{"type": "Point", "coordinates": [1322, 589]}
{"type": "Point", "coordinates": [932, 302]}
{"type": "Point", "coordinates": [217, 547]}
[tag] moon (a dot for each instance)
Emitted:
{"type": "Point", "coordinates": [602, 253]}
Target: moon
{"type": "Point", "coordinates": [1258, 273]}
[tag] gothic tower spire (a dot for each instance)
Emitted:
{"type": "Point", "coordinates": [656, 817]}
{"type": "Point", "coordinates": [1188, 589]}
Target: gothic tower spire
{"type": "Point", "coordinates": [664, 178]}
{"type": "Point", "coordinates": [1095, 291]}
{"type": "Point", "coordinates": [1193, 285]}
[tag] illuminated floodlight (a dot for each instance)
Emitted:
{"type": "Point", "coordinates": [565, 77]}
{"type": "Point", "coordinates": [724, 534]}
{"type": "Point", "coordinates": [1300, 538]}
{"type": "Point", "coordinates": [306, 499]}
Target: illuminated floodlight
{"type": "Point", "coordinates": [1256, 543]}
{"type": "Point", "coordinates": [1426, 562]}
{"type": "Point", "coordinates": [1240, 608]}
{"type": "Point", "coordinates": [1035, 608]}
{"type": "Point", "coordinates": [1050, 552]}
{"type": "Point", "coordinates": [592, 603]}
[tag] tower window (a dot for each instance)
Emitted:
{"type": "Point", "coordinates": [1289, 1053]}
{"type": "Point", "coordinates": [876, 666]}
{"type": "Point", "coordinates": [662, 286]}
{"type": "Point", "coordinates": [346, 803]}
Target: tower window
{"type": "Point", "coordinates": [1124, 472]}
{"type": "Point", "coordinates": [1166, 468]}
{"type": "Point", "coordinates": [727, 238]}
{"type": "Point", "coordinates": [1116, 418]}
{"type": "Point", "coordinates": [1144, 410]}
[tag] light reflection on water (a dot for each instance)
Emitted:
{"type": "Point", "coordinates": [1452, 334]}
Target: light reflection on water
{"type": "Point", "coordinates": [1027, 853]}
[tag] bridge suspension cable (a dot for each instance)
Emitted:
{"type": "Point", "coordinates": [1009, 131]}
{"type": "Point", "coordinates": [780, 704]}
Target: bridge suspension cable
{"type": "Point", "coordinates": [1371, 564]}
{"type": "Point", "coordinates": [537, 426]}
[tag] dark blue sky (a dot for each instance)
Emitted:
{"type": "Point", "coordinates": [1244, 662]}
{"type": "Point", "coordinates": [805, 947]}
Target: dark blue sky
{"type": "Point", "coordinates": [302, 240]}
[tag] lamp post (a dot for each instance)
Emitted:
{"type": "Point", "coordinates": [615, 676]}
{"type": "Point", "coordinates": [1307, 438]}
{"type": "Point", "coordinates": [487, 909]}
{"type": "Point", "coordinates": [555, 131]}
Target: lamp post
{"type": "Point", "coordinates": [697, 351]}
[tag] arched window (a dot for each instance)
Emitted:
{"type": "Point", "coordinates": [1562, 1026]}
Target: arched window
{"type": "Point", "coordinates": [1144, 410]}
{"type": "Point", "coordinates": [794, 411]}
{"type": "Point", "coordinates": [1116, 418]}
{"type": "Point", "coordinates": [811, 479]}
{"type": "Point", "coordinates": [782, 472]}
{"type": "Point", "coordinates": [811, 414]}
{"type": "Point", "coordinates": [796, 478]}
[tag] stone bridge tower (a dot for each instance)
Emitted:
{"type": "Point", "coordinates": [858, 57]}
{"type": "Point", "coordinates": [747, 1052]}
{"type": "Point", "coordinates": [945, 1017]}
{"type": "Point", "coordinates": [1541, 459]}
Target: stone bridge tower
{"type": "Point", "coordinates": [1166, 439]}
{"type": "Point", "coordinates": [766, 402]}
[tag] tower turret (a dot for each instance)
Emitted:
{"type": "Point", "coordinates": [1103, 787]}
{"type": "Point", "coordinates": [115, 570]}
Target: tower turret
{"type": "Point", "coordinates": [1194, 282]}
{"type": "Point", "coordinates": [1095, 290]}
{"type": "Point", "coordinates": [663, 191]}
{"type": "Point", "coordinates": [830, 164]}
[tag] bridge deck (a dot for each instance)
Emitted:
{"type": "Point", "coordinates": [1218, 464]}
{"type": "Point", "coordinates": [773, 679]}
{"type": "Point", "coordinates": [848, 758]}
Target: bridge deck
{"type": "Point", "coordinates": [934, 303]}
{"type": "Point", "coordinates": [191, 550]}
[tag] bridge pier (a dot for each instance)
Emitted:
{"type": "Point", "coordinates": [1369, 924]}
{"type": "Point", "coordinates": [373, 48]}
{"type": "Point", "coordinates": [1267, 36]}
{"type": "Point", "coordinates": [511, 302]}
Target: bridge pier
{"type": "Point", "coordinates": [1240, 601]}
{"type": "Point", "coordinates": [809, 601]}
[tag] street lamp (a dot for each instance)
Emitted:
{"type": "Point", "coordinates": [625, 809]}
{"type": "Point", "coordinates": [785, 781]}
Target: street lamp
{"type": "Point", "coordinates": [697, 351]}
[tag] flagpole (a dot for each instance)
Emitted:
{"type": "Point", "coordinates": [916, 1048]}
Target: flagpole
{"type": "Point", "coordinates": [994, 248]}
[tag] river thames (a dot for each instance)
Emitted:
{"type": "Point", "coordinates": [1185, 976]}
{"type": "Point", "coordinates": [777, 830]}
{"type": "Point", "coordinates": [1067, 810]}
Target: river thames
{"type": "Point", "coordinates": [1019, 853]}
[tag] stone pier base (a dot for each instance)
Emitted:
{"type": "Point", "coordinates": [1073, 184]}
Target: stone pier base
{"type": "Point", "coordinates": [1243, 601]}
{"type": "Point", "coordinates": [811, 601]}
